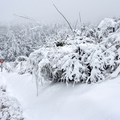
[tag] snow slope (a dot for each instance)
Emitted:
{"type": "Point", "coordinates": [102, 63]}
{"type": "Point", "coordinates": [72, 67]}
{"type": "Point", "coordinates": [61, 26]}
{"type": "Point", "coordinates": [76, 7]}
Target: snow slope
{"type": "Point", "coordinates": [99, 101]}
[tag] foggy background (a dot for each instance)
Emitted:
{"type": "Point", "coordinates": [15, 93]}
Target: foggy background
{"type": "Point", "coordinates": [92, 11]}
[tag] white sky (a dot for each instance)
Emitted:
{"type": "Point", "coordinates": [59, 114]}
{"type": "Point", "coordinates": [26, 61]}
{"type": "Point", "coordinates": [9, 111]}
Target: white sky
{"type": "Point", "coordinates": [43, 11]}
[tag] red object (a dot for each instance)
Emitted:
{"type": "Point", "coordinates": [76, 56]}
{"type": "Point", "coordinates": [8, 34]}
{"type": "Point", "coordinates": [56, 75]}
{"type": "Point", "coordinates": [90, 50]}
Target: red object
{"type": "Point", "coordinates": [1, 60]}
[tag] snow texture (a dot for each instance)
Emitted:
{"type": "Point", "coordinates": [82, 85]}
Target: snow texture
{"type": "Point", "coordinates": [57, 101]}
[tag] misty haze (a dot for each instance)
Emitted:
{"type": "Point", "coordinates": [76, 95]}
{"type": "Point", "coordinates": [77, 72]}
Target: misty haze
{"type": "Point", "coordinates": [43, 11]}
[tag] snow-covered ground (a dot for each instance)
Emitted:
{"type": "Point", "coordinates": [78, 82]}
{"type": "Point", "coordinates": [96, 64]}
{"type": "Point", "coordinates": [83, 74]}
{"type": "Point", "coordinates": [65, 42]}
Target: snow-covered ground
{"type": "Point", "coordinates": [100, 101]}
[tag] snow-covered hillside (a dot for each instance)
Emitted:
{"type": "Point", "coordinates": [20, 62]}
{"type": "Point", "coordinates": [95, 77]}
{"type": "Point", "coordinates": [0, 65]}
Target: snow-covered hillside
{"type": "Point", "coordinates": [72, 76]}
{"type": "Point", "coordinates": [99, 101]}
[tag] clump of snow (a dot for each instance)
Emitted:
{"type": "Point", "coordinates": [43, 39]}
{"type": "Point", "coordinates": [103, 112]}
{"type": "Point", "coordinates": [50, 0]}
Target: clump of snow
{"type": "Point", "coordinates": [106, 23]}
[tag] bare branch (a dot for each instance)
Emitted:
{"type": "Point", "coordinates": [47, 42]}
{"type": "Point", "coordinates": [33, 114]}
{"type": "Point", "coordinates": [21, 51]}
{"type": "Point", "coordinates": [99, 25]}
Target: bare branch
{"type": "Point", "coordinates": [63, 17]}
{"type": "Point", "coordinates": [76, 24]}
{"type": "Point", "coordinates": [26, 17]}
{"type": "Point", "coordinates": [31, 19]}
{"type": "Point", "coordinates": [80, 19]}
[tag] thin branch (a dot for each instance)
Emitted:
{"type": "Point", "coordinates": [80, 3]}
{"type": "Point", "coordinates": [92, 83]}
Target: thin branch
{"type": "Point", "coordinates": [64, 17]}
{"type": "Point", "coordinates": [26, 17]}
{"type": "Point", "coordinates": [31, 19]}
{"type": "Point", "coordinates": [76, 24]}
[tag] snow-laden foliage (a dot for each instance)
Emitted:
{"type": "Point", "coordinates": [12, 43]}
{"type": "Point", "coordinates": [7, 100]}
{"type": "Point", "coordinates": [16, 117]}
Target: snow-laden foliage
{"type": "Point", "coordinates": [9, 107]}
{"type": "Point", "coordinates": [15, 41]}
{"type": "Point", "coordinates": [19, 65]}
{"type": "Point", "coordinates": [90, 55]}
{"type": "Point", "coordinates": [8, 66]}
{"type": "Point", "coordinates": [20, 40]}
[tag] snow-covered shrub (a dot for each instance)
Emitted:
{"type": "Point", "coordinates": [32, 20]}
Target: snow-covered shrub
{"type": "Point", "coordinates": [45, 69]}
{"type": "Point", "coordinates": [9, 66]}
{"type": "Point", "coordinates": [72, 67]}
{"type": "Point", "coordinates": [34, 59]}
{"type": "Point", "coordinates": [83, 58]}
{"type": "Point", "coordinates": [19, 66]}
{"type": "Point", "coordinates": [102, 64]}
{"type": "Point", "coordinates": [43, 62]}
{"type": "Point", "coordinates": [91, 64]}
{"type": "Point", "coordinates": [21, 58]}
{"type": "Point", "coordinates": [106, 27]}
{"type": "Point", "coordinates": [9, 107]}
{"type": "Point", "coordinates": [86, 65]}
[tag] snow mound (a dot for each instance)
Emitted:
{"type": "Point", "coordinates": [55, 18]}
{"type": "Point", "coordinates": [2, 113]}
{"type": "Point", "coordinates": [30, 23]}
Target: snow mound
{"type": "Point", "coordinates": [61, 102]}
